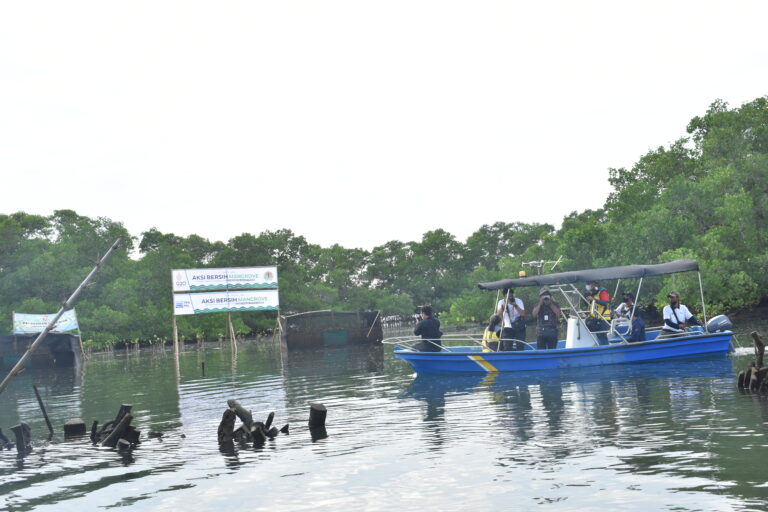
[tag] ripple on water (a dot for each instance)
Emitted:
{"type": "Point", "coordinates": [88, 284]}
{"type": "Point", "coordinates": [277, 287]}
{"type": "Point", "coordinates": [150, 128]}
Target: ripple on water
{"type": "Point", "coordinates": [667, 436]}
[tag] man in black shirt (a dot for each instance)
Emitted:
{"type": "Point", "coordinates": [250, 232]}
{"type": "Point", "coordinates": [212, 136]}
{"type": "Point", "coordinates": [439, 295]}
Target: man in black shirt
{"type": "Point", "coordinates": [429, 329]}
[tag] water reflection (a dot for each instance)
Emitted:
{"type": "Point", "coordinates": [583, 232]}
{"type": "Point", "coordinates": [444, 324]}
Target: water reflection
{"type": "Point", "coordinates": [666, 429]}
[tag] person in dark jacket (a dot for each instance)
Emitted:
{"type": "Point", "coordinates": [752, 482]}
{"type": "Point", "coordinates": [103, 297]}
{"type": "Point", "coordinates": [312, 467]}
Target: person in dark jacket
{"type": "Point", "coordinates": [429, 330]}
{"type": "Point", "coordinates": [547, 314]}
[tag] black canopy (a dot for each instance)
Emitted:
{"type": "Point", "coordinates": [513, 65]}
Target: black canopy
{"type": "Point", "coordinates": [595, 274]}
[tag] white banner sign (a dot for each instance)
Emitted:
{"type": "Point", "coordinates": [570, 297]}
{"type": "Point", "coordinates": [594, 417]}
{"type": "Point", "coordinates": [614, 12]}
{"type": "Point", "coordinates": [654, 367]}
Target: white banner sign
{"type": "Point", "coordinates": [32, 324]}
{"type": "Point", "coordinates": [219, 302]}
{"type": "Point", "coordinates": [245, 278]}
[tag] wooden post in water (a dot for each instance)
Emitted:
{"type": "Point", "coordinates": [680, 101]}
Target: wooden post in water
{"type": "Point", "coordinates": [231, 332]}
{"type": "Point", "coordinates": [175, 338]}
{"type": "Point", "coordinates": [759, 348]}
{"type": "Point", "coordinates": [317, 413]}
{"type": "Point", "coordinates": [45, 414]}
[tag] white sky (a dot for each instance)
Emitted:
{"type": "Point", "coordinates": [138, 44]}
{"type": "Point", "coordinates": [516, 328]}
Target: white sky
{"type": "Point", "coordinates": [353, 122]}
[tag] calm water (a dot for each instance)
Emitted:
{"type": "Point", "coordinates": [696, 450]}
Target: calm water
{"type": "Point", "coordinates": [670, 436]}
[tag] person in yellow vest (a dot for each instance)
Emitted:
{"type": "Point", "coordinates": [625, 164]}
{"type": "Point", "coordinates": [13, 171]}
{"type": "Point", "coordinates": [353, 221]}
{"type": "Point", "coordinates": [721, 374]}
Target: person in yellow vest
{"type": "Point", "coordinates": [491, 334]}
{"type": "Point", "coordinates": [599, 311]}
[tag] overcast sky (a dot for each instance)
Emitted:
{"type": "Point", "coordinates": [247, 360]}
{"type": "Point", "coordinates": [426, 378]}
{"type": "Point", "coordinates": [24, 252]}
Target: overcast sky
{"type": "Point", "coordinates": [353, 122]}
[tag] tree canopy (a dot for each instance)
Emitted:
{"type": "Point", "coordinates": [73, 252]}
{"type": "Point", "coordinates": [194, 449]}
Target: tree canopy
{"type": "Point", "coordinates": [704, 197]}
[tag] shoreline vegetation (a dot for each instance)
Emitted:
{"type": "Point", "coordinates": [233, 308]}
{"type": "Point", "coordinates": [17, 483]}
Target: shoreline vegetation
{"type": "Point", "coordinates": [703, 197]}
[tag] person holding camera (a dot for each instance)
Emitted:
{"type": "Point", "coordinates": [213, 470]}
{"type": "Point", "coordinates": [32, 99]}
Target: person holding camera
{"type": "Point", "coordinates": [547, 314]}
{"type": "Point", "coordinates": [513, 313]}
{"type": "Point", "coordinates": [429, 330]}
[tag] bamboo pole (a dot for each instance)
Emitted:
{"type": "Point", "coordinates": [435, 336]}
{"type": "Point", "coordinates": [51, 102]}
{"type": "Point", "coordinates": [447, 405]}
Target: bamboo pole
{"type": "Point", "coordinates": [759, 348]}
{"type": "Point", "coordinates": [66, 306]}
{"type": "Point", "coordinates": [232, 332]}
{"type": "Point", "coordinates": [175, 338]}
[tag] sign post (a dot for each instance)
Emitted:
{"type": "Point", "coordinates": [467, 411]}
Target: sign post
{"type": "Point", "coordinates": [219, 290]}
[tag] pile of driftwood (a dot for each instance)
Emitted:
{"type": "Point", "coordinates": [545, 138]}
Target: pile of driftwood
{"type": "Point", "coordinates": [250, 430]}
{"type": "Point", "coordinates": [258, 432]}
{"type": "Point", "coordinates": [117, 433]}
{"type": "Point", "coordinates": [754, 377]}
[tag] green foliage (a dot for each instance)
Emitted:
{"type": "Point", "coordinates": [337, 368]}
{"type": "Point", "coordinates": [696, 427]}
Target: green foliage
{"type": "Point", "coordinates": [704, 197]}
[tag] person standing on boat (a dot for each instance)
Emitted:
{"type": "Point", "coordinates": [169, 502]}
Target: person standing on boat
{"type": "Point", "coordinates": [599, 312]}
{"type": "Point", "coordinates": [491, 334]}
{"type": "Point", "coordinates": [625, 310]}
{"type": "Point", "coordinates": [547, 314]}
{"type": "Point", "coordinates": [429, 330]}
{"type": "Point", "coordinates": [513, 313]}
{"type": "Point", "coordinates": [676, 316]}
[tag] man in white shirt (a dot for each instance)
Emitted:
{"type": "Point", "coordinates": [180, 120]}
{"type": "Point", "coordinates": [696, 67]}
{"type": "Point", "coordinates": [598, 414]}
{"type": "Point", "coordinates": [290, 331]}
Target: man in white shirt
{"type": "Point", "coordinates": [514, 320]}
{"type": "Point", "coordinates": [676, 315]}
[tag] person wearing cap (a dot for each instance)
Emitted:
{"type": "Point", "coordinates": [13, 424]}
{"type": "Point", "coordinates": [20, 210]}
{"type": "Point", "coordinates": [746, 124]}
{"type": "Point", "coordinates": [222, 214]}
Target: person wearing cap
{"type": "Point", "coordinates": [628, 308]}
{"type": "Point", "coordinates": [547, 314]}
{"type": "Point", "coordinates": [676, 316]}
{"type": "Point", "coordinates": [513, 311]}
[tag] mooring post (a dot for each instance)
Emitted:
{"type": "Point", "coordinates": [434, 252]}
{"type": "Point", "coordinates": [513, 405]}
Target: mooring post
{"type": "Point", "coordinates": [23, 435]}
{"type": "Point", "coordinates": [317, 413]}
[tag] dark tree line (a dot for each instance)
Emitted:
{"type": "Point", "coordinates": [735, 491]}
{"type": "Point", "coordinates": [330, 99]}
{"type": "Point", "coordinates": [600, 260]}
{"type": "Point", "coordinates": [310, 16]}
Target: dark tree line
{"type": "Point", "coordinates": [704, 197]}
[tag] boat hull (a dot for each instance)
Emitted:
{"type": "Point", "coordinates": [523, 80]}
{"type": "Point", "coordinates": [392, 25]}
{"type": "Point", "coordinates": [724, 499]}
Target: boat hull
{"type": "Point", "coordinates": [474, 360]}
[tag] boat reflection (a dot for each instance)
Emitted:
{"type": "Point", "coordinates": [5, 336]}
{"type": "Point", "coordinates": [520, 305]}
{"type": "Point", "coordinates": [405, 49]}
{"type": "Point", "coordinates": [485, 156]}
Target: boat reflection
{"type": "Point", "coordinates": [583, 404]}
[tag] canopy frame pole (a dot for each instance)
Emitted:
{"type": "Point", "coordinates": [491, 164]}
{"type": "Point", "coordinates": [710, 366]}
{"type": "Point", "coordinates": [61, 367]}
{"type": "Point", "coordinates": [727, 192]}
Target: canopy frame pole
{"type": "Point", "coordinates": [575, 310]}
{"type": "Point", "coordinates": [634, 303]}
{"type": "Point", "coordinates": [703, 305]}
{"type": "Point", "coordinates": [615, 293]}
{"type": "Point", "coordinates": [66, 306]}
{"type": "Point", "coordinates": [505, 312]}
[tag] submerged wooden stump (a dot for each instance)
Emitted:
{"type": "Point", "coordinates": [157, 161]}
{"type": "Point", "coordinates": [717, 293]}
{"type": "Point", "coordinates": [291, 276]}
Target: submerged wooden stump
{"type": "Point", "coordinates": [4, 441]}
{"type": "Point", "coordinates": [227, 427]}
{"type": "Point", "coordinates": [245, 416]}
{"type": "Point", "coordinates": [74, 428]}
{"type": "Point", "coordinates": [317, 414]}
{"type": "Point", "coordinates": [23, 439]}
{"type": "Point", "coordinates": [117, 432]}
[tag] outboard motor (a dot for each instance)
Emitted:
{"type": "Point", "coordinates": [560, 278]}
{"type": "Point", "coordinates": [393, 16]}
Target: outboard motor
{"type": "Point", "coordinates": [719, 323]}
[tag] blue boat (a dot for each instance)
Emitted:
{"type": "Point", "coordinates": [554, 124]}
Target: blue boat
{"type": "Point", "coordinates": [581, 348]}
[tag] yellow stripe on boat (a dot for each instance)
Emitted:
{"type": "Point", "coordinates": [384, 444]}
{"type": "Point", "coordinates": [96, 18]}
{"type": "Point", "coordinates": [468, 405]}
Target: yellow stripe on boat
{"type": "Point", "coordinates": [482, 362]}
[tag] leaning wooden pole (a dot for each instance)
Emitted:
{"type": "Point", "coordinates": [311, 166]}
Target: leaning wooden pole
{"type": "Point", "coordinates": [67, 305]}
